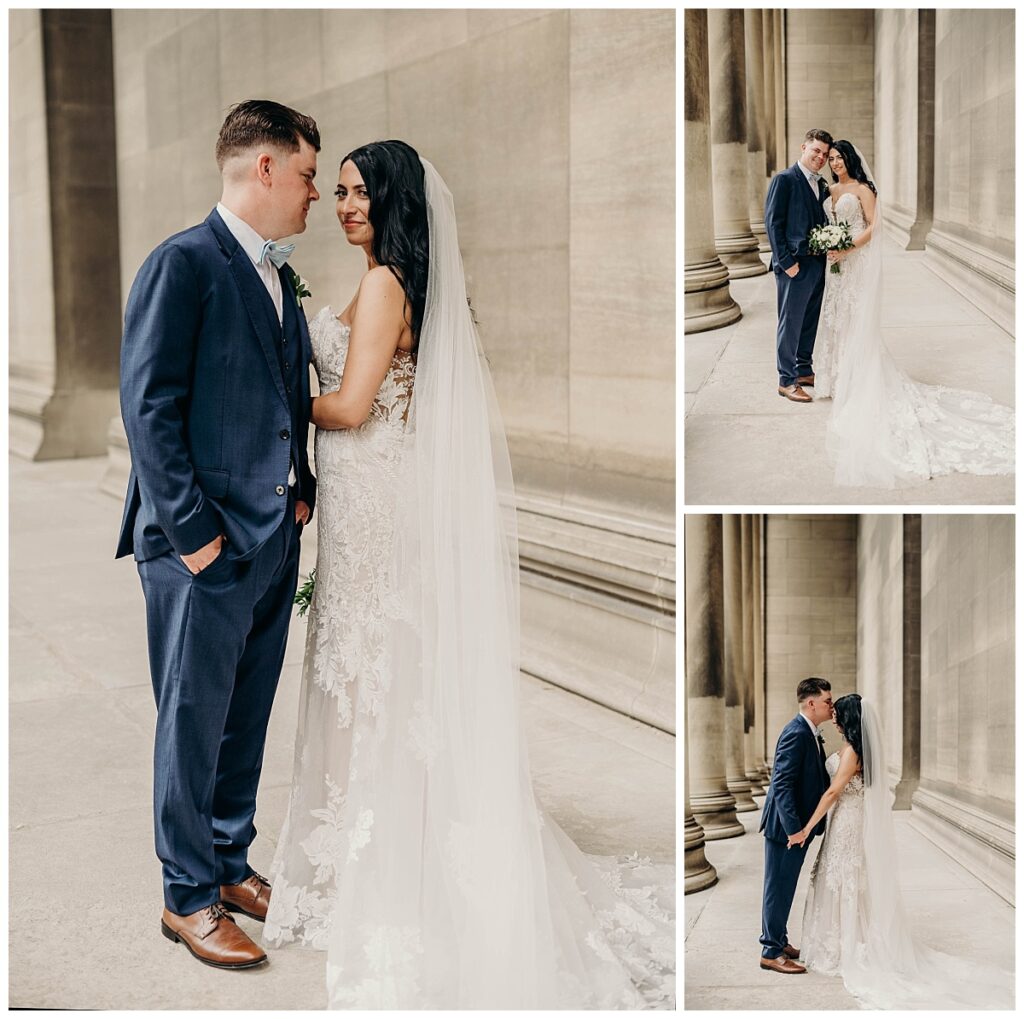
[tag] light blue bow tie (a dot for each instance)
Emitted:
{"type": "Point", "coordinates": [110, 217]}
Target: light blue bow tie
{"type": "Point", "coordinates": [277, 253]}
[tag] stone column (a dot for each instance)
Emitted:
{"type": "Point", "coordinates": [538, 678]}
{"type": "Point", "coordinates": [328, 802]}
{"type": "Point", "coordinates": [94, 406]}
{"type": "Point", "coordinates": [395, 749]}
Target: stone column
{"type": "Point", "coordinates": [732, 589]}
{"type": "Point", "coordinates": [778, 50]}
{"type": "Point", "coordinates": [708, 302]}
{"type": "Point", "coordinates": [736, 244]}
{"type": "Point", "coordinates": [751, 769]}
{"type": "Point", "coordinates": [759, 663]}
{"type": "Point", "coordinates": [753, 25]}
{"type": "Point", "coordinates": [771, 148]}
{"type": "Point", "coordinates": [63, 386]}
{"type": "Point", "coordinates": [910, 771]}
{"type": "Point", "coordinates": [700, 874]}
{"type": "Point", "coordinates": [713, 805]}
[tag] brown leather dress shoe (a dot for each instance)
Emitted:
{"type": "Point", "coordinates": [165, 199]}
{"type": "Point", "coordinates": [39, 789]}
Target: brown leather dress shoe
{"type": "Point", "coordinates": [251, 897]}
{"type": "Point", "coordinates": [794, 393]}
{"type": "Point", "coordinates": [805, 380]}
{"type": "Point", "coordinates": [790, 952]}
{"type": "Point", "coordinates": [213, 937]}
{"type": "Point", "coordinates": [783, 965]}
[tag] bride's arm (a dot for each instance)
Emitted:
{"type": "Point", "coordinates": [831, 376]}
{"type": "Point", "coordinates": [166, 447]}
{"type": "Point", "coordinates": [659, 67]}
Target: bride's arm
{"type": "Point", "coordinates": [848, 765]}
{"type": "Point", "coordinates": [376, 329]}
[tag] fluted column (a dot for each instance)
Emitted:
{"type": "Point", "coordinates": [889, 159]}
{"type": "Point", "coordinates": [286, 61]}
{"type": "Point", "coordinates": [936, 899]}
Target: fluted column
{"type": "Point", "coordinates": [737, 247]}
{"type": "Point", "coordinates": [700, 874]}
{"type": "Point", "coordinates": [778, 48]}
{"type": "Point", "coordinates": [759, 671]}
{"type": "Point", "coordinates": [770, 147]}
{"type": "Point", "coordinates": [732, 589]}
{"type": "Point", "coordinates": [753, 28]}
{"type": "Point", "coordinates": [750, 767]}
{"type": "Point", "coordinates": [712, 804]}
{"type": "Point", "coordinates": [708, 302]}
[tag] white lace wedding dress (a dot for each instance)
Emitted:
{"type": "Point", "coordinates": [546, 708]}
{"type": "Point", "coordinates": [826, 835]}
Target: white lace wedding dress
{"type": "Point", "coordinates": [885, 428]}
{"type": "Point", "coordinates": [467, 928]}
{"type": "Point", "coordinates": [854, 924]}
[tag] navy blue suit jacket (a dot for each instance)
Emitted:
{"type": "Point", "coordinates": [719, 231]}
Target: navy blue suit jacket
{"type": "Point", "coordinates": [798, 780]}
{"type": "Point", "coordinates": [790, 213]}
{"type": "Point", "coordinates": [204, 401]}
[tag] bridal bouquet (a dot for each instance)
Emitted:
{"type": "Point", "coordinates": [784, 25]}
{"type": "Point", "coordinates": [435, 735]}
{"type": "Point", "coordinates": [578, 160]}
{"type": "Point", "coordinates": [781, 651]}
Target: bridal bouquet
{"type": "Point", "coordinates": [831, 237]}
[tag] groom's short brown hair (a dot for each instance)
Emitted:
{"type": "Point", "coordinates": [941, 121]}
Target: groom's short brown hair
{"type": "Point", "coordinates": [264, 122]}
{"type": "Point", "coordinates": [811, 688]}
{"type": "Point", "coordinates": [816, 134]}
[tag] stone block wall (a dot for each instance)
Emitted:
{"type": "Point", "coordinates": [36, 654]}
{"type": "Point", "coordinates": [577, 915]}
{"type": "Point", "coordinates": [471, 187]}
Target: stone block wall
{"type": "Point", "coordinates": [810, 611]}
{"type": "Point", "coordinates": [971, 244]}
{"type": "Point", "coordinates": [965, 801]}
{"type": "Point", "coordinates": [829, 64]}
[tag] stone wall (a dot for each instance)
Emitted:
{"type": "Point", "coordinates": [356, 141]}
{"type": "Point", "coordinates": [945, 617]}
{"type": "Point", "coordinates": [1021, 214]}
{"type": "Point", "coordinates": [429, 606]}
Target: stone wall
{"type": "Point", "coordinates": [971, 244]}
{"type": "Point", "coordinates": [810, 612]}
{"type": "Point", "coordinates": [965, 801]}
{"type": "Point", "coordinates": [541, 126]}
{"type": "Point", "coordinates": [830, 76]}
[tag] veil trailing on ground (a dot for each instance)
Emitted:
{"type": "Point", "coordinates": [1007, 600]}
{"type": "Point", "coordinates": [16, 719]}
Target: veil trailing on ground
{"type": "Point", "coordinates": [886, 429]}
{"type": "Point", "coordinates": [882, 962]}
{"type": "Point", "coordinates": [455, 890]}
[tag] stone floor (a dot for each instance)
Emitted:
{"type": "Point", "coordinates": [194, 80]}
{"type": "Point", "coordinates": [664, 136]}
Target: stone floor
{"type": "Point", "coordinates": [949, 909]}
{"type": "Point", "coordinates": [84, 882]}
{"type": "Point", "coordinates": [745, 445]}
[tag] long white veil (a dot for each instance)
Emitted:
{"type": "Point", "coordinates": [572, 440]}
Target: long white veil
{"type": "Point", "coordinates": [882, 962]}
{"type": "Point", "coordinates": [453, 889]}
{"type": "Point", "coordinates": [886, 429]}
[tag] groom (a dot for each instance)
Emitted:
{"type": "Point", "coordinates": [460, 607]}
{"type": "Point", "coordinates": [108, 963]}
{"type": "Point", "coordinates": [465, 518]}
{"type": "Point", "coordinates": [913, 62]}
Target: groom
{"type": "Point", "coordinates": [793, 207]}
{"type": "Point", "coordinates": [798, 780]}
{"type": "Point", "coordinates": [215, 401]}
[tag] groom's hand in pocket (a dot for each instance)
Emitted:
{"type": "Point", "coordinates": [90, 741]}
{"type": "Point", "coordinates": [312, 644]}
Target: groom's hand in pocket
{"type": "Point", "coordinates": [302, 513]}
{"type": "Point", "coordinates": [198, 561]}
{"type": "Point", "coordinates": [792, 270]}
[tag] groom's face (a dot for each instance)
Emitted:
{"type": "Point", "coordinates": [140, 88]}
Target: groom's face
{"type": "Point", "coordinates": [813, 155]}
{"type": "Point", "coordinates": [292, 190]}
{"type": "Point", "coordinates": [819, 708]}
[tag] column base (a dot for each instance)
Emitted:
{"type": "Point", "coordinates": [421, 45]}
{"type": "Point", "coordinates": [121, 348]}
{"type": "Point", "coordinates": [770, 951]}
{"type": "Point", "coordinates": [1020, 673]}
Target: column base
{"type": "Point", "coordinates": [756, 788]}
{"type": "Point", "coordinates": [708, 303]}
{"type": "Point", "coordinates": [716, 814]}
{"type": "Point", "coordinates": [119, 462]}
{"type": "Point", "coordinates": [50, 423]}
{"type": "Point", "coordinates": [699, 873]}
{"type": "Point", "coordinates": [741, 793]}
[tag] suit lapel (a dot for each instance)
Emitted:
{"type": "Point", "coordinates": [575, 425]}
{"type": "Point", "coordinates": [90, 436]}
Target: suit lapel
{"type": "Point", "coordinates": [258, 303]}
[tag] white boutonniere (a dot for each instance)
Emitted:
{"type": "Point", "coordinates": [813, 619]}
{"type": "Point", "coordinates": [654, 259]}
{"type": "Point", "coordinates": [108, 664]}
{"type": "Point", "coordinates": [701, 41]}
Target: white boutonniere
{"type": "Point", "coordinates": [301, 288]}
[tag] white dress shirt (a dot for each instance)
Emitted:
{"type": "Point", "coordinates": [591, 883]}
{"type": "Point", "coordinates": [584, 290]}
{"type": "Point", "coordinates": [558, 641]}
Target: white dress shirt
{"type": "Point", "coordinates": [814, 728]}
{"type": "Point", "coordinates": [252, 244]}
{"type": "Point", "coordinates": [809, 174]}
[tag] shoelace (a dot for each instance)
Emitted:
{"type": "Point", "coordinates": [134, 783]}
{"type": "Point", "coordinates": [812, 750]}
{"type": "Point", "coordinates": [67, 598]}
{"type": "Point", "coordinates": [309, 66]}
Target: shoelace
{"type": "Point", "coordinates": [218, 912]}
{"type": "Point", "coordinates": [259, 877]}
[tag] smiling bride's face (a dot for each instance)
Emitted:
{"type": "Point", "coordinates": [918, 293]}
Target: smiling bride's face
{"type": "Point", "coordinates": [836, 163]}
{"type": "Point", "coordinates": [353, 205]}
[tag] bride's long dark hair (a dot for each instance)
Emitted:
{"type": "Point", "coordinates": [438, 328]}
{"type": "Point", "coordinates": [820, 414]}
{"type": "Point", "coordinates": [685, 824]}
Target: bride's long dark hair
{"type": "Point", "coordinates": [848, 718]}
{"type": "Point", "coordinates": [854, 166]}
{"type": "Point", "coordinates": [393, 175]}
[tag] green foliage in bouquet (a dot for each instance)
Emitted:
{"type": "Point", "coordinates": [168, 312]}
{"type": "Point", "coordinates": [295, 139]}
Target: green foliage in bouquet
{"type": "Point", "coordinates": [304, 595]}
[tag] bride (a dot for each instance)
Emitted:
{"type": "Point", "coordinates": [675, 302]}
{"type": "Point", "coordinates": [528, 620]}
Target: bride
{"type": "Point", "coordinates": [854, 923]}
{"type": "Point", "coordinates": [885, 428]}
{"type": "Point", "coordinates": [413, 851]}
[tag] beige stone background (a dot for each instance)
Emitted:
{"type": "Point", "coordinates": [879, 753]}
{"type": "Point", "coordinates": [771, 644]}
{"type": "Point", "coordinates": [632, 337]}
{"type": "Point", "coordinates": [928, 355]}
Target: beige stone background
{"type": "Point", "coordinates": [560, 157]}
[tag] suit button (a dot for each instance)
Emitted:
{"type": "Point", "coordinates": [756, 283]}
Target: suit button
{"type": "Point", "coordinates": [285, 434]}
{"type": "Point", "coordinates": [279, 489]}
{"type": "Point", "coordinates": [288, 390]}
{"type": "Point", "coordinates": [287, 367]}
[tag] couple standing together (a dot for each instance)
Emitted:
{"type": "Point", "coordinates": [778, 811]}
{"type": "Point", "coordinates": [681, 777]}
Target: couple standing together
{"type": "Point", "coordinates": [854, 922]}
{"type": "Point", "coordinates": [413, 852]}
{"type": "Point", "coordinates": [884, 428]}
